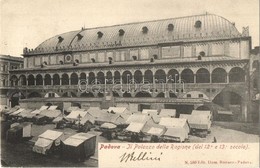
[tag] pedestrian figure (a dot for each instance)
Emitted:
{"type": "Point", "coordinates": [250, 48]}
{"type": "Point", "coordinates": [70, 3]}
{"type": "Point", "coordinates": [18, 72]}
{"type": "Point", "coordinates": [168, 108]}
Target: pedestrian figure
{"type": "Point", "coordinates": [215, 140]}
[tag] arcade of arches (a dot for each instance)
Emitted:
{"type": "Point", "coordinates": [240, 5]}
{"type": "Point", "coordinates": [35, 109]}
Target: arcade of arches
{"type": "Point", "coordinates": [202, 75]}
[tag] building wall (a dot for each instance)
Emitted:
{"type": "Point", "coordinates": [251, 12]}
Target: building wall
{"type": "Point", "coordinates": [233, 48]}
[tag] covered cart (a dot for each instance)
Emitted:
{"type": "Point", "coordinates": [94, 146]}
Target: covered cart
{"type": "Point", "coordinates": [48, 142]}
{"type": "Point", "coordinates": [19, 132]}
{"type": "Point", "coordinates": [200, 124]}
{"type": "Point", "coordinates": [78, 147]}
{"type": "Point", "coordinates": [174, 135]}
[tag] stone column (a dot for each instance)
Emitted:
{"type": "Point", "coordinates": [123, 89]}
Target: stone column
{"type": "Point", "coordinates": [69, 81]}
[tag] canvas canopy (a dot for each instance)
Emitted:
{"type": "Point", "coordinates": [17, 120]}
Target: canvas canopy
{"type": "Point", "coordinates": [51, 113]}
{"type": "Point", "coordinates": [52, 107]}
{"type": "Point", "coordinates": [73, 108]}
{"type": "Point", "coordinates": [139, 118]}
{"type": "Point", "coordinates": [79, 146]}
{"type": "Point", "coordinates": [37, 111]}
{"type": "Point", "coordinates": [78, 139]}
{"type": "Point", "coordinates": [58, 119]}
{"type": "Point", "coordinates": [46, 140]}
{"type": "Point", "coordinates": [17, 112]}
{"type": "Point", "coordinates": [42, 145]}
{"type": "Point", "coordinates": [108, 126]}
{"type": "Point", "coordinates": [75, 114]}
{"type": "Point", "coordinates": [177, 134]}
{"type": "Point", "coordinates": [175, 122]}
{"type": "Point", "coordinates": [150, 112]}
{"type": "Point", "coordinates": [26, 112]}
{"type": "Point", "coordinates": [135, 127]}
{"type": "Point", "coordinates": [119, 110]}
{"type": "Point", "coordinates": [43, 108]}
{"type": "Point", "coordinates": [150, 125]}
{"type": "Point", "coordinates": [202, 112]}
{"type": "Point", "coordinates": [197, 121]}
{"type": "Point", "coordinates": [168, 113]}
{"type": "Point", "coordinates": [87, 117]}
{"type": "Point", "coordinates": [156, 131]}
{"type": "Point", "coordinates": [110, 118]}
{"type": "Point", "coordinates": [97, 113]}
{"type": "Point", "coordinates": [13, 109]}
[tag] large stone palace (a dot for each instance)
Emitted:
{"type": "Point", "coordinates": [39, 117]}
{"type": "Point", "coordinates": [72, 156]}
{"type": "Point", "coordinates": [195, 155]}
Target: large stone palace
{"type": "Point", "coordinates": [194, 62]}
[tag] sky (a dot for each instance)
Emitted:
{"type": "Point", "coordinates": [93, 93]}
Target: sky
{"type": "Point", "coordinates": [27, 23]}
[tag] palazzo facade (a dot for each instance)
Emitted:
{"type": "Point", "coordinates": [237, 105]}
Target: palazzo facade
{"type": "Point", "coordinates": [193, 62]}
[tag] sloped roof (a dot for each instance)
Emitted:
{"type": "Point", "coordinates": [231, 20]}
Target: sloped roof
{"type": "Point", "coordinates": [199, 112]}
{"type": "Point", "coordinates": [135, 127]}
{"type": "Point", "coordinates": [139, 118]}
{"type": "Point", "coordinates": [150, 112]}
{"type": "Point", "coordinates": [117, 109]}
{"type": "Point", "coordinates": [51, 134]}
{"type": "Point", "coordinates": [168, 113]}
{"type": "Point", "coordinates": [97, 113]}
{"type": "Point", "coordinates": [173, 122]}
{"type": "Point", "coordinates": [197, 121]}
{"type": "Point", "coordinates": [111, 118]}
{"type": "Point", "coordinates": [74, 114]}
{"type": "Point", "coordinates": [87, 117]}
{"type": "Point", "coordinates": [212, 26]}
{"type": "Point", "coordinates": [77, 139]}
{"type": "Point", "coordinates": [51, 113]}
{"type": "Point", "coordinates": [52, 107]}
{"type": "Point", "coordinates": [176, 133]}
{"type": "Point", "coordinates": [43, 108]}
{"type": "Point", "coordinates": [18, 111]}
{"type": "Point", "coordinates": [150, 125]}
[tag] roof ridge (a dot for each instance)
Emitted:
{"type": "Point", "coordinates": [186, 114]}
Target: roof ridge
{"type": "Point", "coordinates": [148, 21]}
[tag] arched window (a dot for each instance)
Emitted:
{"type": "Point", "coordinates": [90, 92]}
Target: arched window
{"type": "Point", "coordinates": [187, 76]}
{"type": "Point", "coordinates": [202, 76]}
{"type": "Point", "coordinates": [31, 80]}
{"type": "Point", "coordinates": [74, 79]}
{"type": "Point", "coordinates": [56, 79]}
{"type": "Point", "coordinates": [65, 79]}
{"type": "Point", "coordinates": [138, 77]}
{"type": "Point", "coordinates": [219, 75]}
{"type": "Point", "coordinates": [173, 76]}
{"type": "Point", "coordinates": [83, 76]}
{"type": "Point", "coordinates": [144, 29]}
{"type": "Point", "coordinates": [100, 77]}
{"type": "Point", "coordinates": [160, 76]}
{"type": "Point", "coordinates": [117, 77]}
{"type": "Point", "coordinates": [148, 76]}
{"type": "Point", "coordinates": [47, 79]}
{"type": "Point", "coordinates": [236, 74]}
{"type": "Point", "coordinates": [91, 78]}
{"type": "Point", "coordinates": [126, 77]}
{"type": "Point", "coordinates": [39, 80]}
{"type": "Point", "coordinates": [23, 80]}
{"type": "Point", "coordinates": [109, 77]}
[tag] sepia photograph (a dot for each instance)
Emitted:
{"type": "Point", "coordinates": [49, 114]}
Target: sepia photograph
{"type": "Point", "coordinates": [120, 83]}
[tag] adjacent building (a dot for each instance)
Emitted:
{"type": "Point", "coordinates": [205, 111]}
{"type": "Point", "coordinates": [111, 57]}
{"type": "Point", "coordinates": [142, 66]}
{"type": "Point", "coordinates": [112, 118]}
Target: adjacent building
{"type": "Point", "coordinates": [194, 62]}
{"type": "Point", "coordinates": [7, 63]}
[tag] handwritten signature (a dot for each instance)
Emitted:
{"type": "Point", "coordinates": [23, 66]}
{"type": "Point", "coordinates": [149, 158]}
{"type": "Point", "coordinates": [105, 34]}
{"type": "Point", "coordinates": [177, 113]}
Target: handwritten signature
{"type": "Point", "coordinates": [140, 156]}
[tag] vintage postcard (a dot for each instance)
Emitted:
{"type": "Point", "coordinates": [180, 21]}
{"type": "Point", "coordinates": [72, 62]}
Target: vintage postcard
{"type": "Point", "coordinates": [140, 83]}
